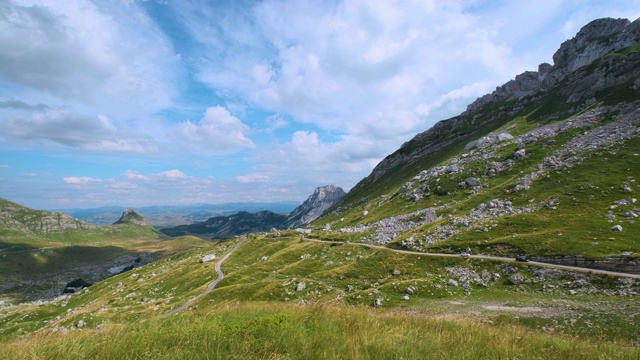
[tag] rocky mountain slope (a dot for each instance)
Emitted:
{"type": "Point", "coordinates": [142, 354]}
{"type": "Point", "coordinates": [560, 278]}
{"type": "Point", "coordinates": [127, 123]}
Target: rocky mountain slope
{"type": "Point", "coordinates": [223, 227]}
{"type": "Point", "coordinates": [15, 218]}
{"type": "Point", "coordinates": [322, 199]}
{"type": "Point", "coordinates": [546, 165]}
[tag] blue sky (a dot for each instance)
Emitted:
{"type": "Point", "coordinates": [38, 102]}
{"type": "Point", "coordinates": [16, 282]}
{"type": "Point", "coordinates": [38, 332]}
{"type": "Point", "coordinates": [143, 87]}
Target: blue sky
{"type": "Point", "coordinates": [134, 103]}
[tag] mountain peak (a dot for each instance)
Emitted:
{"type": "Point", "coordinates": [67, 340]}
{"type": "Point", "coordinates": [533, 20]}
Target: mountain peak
{"type": "Point", "coordinates": [129, 216]}
{"type": "Point", "coordinates": [323, 197]}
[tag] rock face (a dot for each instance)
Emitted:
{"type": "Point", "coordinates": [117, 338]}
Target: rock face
{"type": "Point", "coordinates": [591, 43]}
{"type": "Point", "coordinates": [321, 199]}
{"type": "Point", "coordinates": [129, 216]}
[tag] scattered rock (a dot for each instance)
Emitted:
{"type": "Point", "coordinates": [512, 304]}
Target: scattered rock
{"type": "Point", "coordinates": [516, 279]}
{"type": "Point", "coordinates": [80, 324]}
{"type": "Point", "coordinates": [395, 272]}
{"type": "Point", "coordinates": [404, 297]}
{"type": "Point", "coordinates": [452, 282]}
{"type": "Point", "coordinates": [377, 303]}
{"type": "Point", "coordinates": [264, 258]}
{"type": "Point", "coordinates": [301, 286]}
{"type": "Point", "coordinates": [409, 291]}
{"type": "Point", "coordinates": [473, 182]}
{"type": "Point", "coordinates": [625, 188]}
{"type": "Point", "coordinates": [616, 228]}
{"type": "Point", "coordinates": [208, 258]}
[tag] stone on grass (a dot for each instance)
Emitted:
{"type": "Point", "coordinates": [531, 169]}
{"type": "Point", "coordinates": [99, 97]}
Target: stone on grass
{"type": "Point", "coordinates": [616, 228]}
{"type": "Point", "coordinates": [301, 286]}
{"type": "Point", "coordinates": [404, 297]}
{"type": "Point", "coordinates": [452, 282]}
{"type": "Point", "coordinates": [409, 291]}
{"type": "Point", "coordinates": [516, 279]}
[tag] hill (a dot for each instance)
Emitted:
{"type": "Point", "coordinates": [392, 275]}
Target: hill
{"type": "Point", "coordinates": [543, 166]}
{"type": "Point", "coordinates": [41, 251]}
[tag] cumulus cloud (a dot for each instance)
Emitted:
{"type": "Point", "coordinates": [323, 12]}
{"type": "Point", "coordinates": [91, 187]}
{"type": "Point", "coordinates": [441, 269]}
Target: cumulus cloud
{"type": "Point", "coordinates": [110, 55]}
{"type": "Point", "coordinates": [218, 132]}
{"type": "Point", "coordinates": [92, 133]}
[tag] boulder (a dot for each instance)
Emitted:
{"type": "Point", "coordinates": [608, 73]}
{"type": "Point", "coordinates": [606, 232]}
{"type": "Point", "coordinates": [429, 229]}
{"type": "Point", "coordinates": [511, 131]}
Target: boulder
{"type": "Point", "coordinates": [516, 279]}
{"type": "Point", "coordinates": [473, 182]}
{"type": "Point", "coordinates": [616, 228]}
{"type": "Point", "coordinates": [452, 282]}
{"type": "Point", "coordinates": [409, 291]}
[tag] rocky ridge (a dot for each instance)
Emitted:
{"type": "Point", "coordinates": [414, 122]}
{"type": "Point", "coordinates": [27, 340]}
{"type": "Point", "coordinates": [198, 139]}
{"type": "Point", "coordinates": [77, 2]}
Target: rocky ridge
{"type": "Point", "coordinates": [18, 218]}
{"type": "Point", "coordinates": [322, 199]}
{"type": "Point", "coordinates": [571, 72]}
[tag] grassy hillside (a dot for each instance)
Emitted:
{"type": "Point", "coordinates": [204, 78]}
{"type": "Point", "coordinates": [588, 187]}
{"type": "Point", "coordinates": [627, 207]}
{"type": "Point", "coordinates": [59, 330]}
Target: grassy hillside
{"type": "Point", "coordinates": [562, 177]}
{"type": "Point", "coordinates": [260, 310]}
{"type": "Point", "coordinates": [41, 251]}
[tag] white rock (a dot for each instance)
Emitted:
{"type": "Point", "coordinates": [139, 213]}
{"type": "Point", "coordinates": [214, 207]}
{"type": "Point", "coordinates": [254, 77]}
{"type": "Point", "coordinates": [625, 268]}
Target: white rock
{"type": "Point", "coordinates": [616, 228]}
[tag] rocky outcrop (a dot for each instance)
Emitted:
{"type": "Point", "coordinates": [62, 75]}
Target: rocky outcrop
{"type": "Point", "coordinates": [129, 216]}
{"type": "Point", "coordinates": [321, 199]}
{"type": "Point", "coordinates": [576, 83]}
{"type": "Point", "coordinates": [594, 41]}
{"type": "Point", "coordinates": [18, 218]}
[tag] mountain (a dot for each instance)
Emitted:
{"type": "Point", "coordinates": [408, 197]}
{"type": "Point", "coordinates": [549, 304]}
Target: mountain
{"type": "Point", "coordinates": [15, 218]}
{"type": "Point", "coordinates": [222, 227]}
{"type": "Point", "coordinates": [546, 165]}
{"type": "Point", "coordinates": [129, 216]}
{"type": "Point", "coordinates": [166, 216]}
{"type": "Point", "coordinates": [41, 251]}
{"type": "Point", "coordinates": [322, 199]}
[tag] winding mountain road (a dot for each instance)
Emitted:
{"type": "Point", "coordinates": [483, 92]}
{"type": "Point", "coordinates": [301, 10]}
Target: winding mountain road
{"type": "Point", "coordinates": [213, 283]}
{"type": "Point", "coordinates": [488, 257]}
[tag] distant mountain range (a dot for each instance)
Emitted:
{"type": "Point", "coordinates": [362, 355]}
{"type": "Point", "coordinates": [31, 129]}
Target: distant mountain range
{"type": "Point", "coordinates": [168, 216]}
{"type": "Point", "coordinates": [243, 222]}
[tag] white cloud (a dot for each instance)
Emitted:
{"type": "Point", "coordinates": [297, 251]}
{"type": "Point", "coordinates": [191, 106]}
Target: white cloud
{"type": "Point", "coordinates": [109, 54]}
{"type": "Point", "coordinates": [83, 180]}
{"type": "Point", "coordinates": [5, 166]}
{"type": "Point", "coordinates": [92, 133]}
{"type": "Point", "coordinates": [253, 178]}
{"type": "Point", "coordinates": [218, 132]}
{"type": "Point", "coordinates": [172, 175]}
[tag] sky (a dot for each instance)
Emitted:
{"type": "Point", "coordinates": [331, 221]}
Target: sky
{"type": "Point", "coordinates": [175, 102]}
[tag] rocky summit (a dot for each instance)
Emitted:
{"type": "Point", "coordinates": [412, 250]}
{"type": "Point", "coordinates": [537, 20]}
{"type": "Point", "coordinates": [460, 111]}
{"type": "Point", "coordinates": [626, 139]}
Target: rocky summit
{"type": "Point", "coordinates": [322, 199]}
{"type": "Point", "coordinates": [129, 216]}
